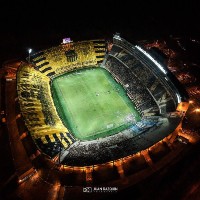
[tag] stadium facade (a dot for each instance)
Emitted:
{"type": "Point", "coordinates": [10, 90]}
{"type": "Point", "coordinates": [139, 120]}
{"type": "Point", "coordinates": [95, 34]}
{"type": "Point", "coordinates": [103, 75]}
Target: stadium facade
{"type": "Point", "coordinates": [154, 90]}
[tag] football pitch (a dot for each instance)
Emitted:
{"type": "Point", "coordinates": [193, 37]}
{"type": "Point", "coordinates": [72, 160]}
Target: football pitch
{"type": "Point", "coordinates": [92, 104]}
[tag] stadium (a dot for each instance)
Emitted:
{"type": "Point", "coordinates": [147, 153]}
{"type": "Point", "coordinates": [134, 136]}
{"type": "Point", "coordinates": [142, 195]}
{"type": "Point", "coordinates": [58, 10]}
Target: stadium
{"type": "Point", "coordinates": [91, 109]}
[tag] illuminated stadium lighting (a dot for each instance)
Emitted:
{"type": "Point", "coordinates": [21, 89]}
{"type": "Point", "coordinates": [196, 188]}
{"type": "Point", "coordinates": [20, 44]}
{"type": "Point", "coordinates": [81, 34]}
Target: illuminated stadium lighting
{"type": "Point", "coordinates": [29, 56]}
{"type": "Point", "coordinates": [152, 59]}
{"type": "Point", "coordinates": [117, 36]}
{"type": "Point", "coordinates": [178, 97]}
{"type": "Point", "coordinates": [66, 40]}
{"type": "Point", "coordinates": [29, 51]}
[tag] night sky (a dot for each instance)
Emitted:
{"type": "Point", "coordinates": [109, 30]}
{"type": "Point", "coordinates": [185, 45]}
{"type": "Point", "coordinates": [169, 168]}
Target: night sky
{"type": "Point", "coordinates": [39, 25]}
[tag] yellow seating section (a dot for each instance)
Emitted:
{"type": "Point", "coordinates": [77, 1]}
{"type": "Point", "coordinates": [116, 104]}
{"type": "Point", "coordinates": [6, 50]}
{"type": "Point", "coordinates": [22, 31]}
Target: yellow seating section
{"type": "Point", "coordinates": [31, 83]}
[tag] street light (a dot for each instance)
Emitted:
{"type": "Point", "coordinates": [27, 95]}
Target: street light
{"type": "Point", "coordinates": [197, 109]}
{"type": "Point", "coordinates": [29, 54]}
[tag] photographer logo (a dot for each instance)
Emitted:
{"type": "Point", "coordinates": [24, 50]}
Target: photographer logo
{"type": "Point", "coordinates": [87, 189]}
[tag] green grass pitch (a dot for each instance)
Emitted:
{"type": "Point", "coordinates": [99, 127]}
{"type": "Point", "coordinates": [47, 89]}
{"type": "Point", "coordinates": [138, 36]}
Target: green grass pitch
{"type": "Point", "coordinates": [92, 104]}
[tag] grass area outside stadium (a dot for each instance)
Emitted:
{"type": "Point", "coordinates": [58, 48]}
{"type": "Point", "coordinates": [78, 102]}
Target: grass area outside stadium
{"type": "Point", "coordinates": [92, 104]}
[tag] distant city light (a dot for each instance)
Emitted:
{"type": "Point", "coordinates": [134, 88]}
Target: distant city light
{"type": "Point", "coordinates": [197, 109]}
{"type": "Point", "coordinates": [191, 101]}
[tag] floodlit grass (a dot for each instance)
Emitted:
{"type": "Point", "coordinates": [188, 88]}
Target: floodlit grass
{"type": "Point", "coordinates": [92, 104]}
